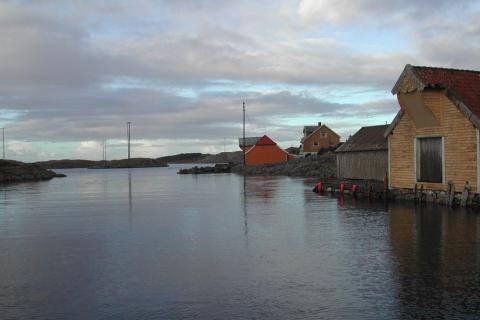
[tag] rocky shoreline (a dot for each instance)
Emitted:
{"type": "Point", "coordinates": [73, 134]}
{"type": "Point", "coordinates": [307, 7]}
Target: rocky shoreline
{"type": "Point", "coordinates": [323, 166]}
{"type": "Point", "coordinates": [16, 171]}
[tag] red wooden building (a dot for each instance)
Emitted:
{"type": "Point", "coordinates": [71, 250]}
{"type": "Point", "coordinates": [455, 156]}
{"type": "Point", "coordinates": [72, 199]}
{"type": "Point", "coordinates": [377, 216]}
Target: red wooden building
{"type": "Point", "coordinates": [264, 151]}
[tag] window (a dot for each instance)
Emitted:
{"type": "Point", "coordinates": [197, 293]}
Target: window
{"type": "Point", "coordinates": [323, 135]}
{"type": "Point", "coordinates": [315, 143]}
{"type": "Point", "coordinates": [429, 159]}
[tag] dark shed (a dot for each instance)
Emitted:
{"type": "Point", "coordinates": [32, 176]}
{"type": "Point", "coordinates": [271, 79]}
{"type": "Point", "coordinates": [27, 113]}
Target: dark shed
{"type": "Point", "coordinates": [364, 155]}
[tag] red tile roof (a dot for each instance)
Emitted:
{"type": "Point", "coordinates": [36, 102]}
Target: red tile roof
{"type": "Point", "coordinates": [464, 84]}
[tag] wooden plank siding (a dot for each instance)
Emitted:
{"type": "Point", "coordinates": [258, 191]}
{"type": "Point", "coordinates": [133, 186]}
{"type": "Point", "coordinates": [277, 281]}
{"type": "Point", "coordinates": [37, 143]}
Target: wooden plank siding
{"type": "Point", "coordinates": [330, 139]}
{"type": "Point", "coordinates": [459, 142]}
{"type": "Point", "coordinates": [362, 164]}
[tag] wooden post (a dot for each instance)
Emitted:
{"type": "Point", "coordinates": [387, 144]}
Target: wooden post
{"type": "Point", "coordinates": [369, 188]}
{"type": "Point", "coordinates": [450, 196]}
{"type": "Point", "coordinates": [385, 185]}
{"type": "Point", "coordinates": [465, 193]}
{"type": "Point", "coordinates": [415, 193]}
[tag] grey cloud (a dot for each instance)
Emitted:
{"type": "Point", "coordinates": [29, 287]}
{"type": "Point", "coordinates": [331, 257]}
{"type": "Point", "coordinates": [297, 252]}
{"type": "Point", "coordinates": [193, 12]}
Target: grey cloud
{"type": "Point", "coordinates": [156, 115]}
{"type": "Point", "coordinates": [57, 61]}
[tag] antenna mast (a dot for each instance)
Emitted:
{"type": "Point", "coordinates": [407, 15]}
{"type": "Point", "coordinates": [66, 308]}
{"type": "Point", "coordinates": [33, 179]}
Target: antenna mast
{"type": "Point", "coordinates": [244, 134]}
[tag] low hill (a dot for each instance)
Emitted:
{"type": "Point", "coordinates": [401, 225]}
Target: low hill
{"type": "Point", "coordinates": [65, 164]}
{"type": "Point", "coordinates": [130, 163]}
{"type": "Point", "coordinates": [235, 157]}
{"type": "Point", "coordinates": [111, 164]}
{"type": "Point", "coordinates": [184, 158]}
{"type": "Point", "coordinates": [224, 157]}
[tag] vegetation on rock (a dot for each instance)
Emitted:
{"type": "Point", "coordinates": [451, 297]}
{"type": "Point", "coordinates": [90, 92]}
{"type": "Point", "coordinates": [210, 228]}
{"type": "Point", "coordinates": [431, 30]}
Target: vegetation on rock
{"type": "Point", "coordinates": [16, 171]}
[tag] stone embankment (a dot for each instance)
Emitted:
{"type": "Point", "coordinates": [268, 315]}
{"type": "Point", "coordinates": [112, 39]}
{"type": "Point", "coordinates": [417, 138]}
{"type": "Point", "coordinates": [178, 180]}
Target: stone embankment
{"type": "Point", "coordinates": [16, 171]}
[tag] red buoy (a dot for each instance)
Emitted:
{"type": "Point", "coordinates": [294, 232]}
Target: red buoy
{"type": "Point", "coordinates": [354, 189]}
{"type": "Point", "coordinates": [319, 187]}
{"type": "Point", "coordinates": [342, 187]}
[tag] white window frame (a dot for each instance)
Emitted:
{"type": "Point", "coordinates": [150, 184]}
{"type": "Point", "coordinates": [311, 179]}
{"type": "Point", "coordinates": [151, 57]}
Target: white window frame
{"type": "Point", "coordinates": [415, 148]}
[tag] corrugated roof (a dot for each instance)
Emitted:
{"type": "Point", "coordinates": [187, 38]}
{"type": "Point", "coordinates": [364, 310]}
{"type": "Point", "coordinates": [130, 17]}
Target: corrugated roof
{"type": "Point", "coordinates": [249, 141]}
{"type": "Point", "coordinates": [366, 139]}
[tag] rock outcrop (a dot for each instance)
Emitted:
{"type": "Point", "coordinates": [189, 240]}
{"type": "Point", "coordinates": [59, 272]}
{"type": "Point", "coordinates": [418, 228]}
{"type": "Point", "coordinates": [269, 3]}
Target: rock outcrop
{"type": "Point", "coordinates": [313, 166]}
{"type": "Point", "coordinates": [218, 168]}
{"type": "Point", "coordinates": [16, 171]}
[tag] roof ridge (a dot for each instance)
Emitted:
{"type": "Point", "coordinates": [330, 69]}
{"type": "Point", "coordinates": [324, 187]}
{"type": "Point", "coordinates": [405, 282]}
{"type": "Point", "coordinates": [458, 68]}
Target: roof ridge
{"type": "Point", "coordinates": [377, 125]}
{"type": "Point", "coordinates": [446, 69]}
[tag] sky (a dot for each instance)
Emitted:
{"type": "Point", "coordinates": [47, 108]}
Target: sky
{"type": "Point", "coordinates": [72, 73]}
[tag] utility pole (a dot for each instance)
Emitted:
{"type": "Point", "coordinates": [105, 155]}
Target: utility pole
{"type": "Point", "coordinates": [105, 150]}
{"type": "Point", "coordinates": [244, 133]}
{"type": "Point", "coordinates": [3, 142]}
{"type": "Point", "coordinates": [128, 138]}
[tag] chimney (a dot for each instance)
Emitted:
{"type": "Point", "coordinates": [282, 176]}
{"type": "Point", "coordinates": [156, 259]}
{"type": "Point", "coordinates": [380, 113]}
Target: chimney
{"type": "Point", "coordinates": [319, 124]}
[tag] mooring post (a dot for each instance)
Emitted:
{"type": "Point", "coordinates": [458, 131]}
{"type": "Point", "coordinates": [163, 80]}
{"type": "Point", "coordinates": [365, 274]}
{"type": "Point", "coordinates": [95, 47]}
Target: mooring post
{"type": "Point", "coordinates": [465, 193]}
{"type": "Point", "coordinates": [450, 196]}
{"type": "Point", "coordinates": [385, 185]}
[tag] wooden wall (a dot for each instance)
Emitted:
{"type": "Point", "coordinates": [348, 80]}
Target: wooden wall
{"type": "Point", "coordinates": [267, 154]}
{"type": "Point", "coordinates": [330, 140]}
{"type": "Point", "coordinates": [370, 165]}
{"type": "Point", "coordinates": [460, 146]}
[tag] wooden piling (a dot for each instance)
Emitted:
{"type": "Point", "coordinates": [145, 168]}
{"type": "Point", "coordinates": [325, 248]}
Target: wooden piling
{"type": "Point", "coordinates": [465, 193]}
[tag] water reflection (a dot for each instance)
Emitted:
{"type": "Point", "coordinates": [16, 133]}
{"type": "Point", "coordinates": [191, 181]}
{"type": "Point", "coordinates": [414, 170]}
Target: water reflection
{"type": "Point", "coordinates": [436, 256]}
{"type": "Point", "coordinates": [227, 246]}
{"type": "Point", "coordinates": [130, 191]}
{"type": "Point", "coordinates": [263, 188]}
{"type": "Point", "coordinates": [245, 210]}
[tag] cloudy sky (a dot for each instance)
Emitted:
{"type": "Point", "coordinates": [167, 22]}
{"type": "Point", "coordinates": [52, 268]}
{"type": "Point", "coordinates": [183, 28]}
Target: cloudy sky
{"type": "Point", "coordinates": [72, 73]}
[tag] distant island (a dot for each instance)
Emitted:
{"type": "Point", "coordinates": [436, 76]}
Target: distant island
{"type": "Point", "coordinates": [110, 164]}
{"type": "Point", "coordinates": [16, 171]}
{"type": "Point", "coordinates": [224, 157]}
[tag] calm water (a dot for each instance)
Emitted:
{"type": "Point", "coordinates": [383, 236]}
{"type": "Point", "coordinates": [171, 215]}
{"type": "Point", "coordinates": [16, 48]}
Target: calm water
{"type": "Point", "coordinates": [149, 244]}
